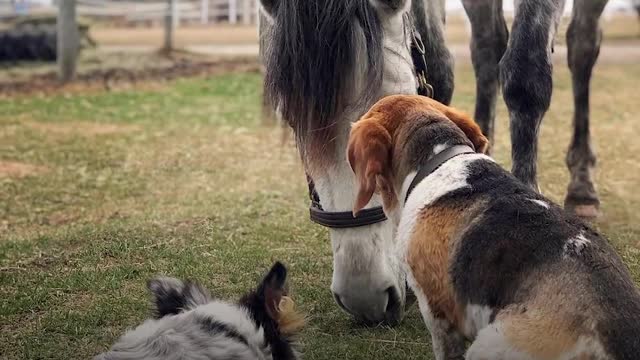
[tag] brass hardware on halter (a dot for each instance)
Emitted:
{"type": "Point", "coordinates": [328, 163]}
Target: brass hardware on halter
{"type": "Point", "coordinates": [418, 52]}
{"type": "Point", "coordinates": [424, 88]}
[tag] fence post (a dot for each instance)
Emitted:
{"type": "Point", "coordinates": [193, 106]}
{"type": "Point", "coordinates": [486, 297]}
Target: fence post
{"type": "Point", "coordinates": [169, 25]}
{"type": "Point", "coordinates": [175, 14]}
{"type": "Point", "coordinates": [204, 12]}
{"type": "Point", "coordinates": [68, 42]}
{"type": "Point", "coordinates": [246, 12]}
{"type": "Point", "coordinates": [233, 11]}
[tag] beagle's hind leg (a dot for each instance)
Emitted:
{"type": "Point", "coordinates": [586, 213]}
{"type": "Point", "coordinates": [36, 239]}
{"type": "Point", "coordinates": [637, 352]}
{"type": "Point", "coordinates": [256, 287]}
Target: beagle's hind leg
{"type": "Point", "coordinates": [532, 334]}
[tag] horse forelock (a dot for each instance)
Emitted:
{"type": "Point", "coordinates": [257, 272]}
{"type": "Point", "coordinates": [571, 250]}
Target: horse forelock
{"type": "Point", "coordinates": [310, 60]}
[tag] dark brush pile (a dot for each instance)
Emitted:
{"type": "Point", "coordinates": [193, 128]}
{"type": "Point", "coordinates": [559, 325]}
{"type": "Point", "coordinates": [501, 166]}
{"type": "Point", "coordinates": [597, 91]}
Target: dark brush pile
{"type": "Point", "coordinates": [28, 43]}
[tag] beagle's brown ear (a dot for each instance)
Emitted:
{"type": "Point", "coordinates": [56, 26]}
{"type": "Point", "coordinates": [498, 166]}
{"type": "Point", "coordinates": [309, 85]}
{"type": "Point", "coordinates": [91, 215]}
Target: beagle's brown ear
{"type": "Point", "coordinates": [369, 154]}
{"type": "Point", "coordinates": [470, 128]}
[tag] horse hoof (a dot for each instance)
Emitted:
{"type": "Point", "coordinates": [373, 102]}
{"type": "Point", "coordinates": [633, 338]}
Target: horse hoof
{"type": "Point", "coordinates": [587, 212]}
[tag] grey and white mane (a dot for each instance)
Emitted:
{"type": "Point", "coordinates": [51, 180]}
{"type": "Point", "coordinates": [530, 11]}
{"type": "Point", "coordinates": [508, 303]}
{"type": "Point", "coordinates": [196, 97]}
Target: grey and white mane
{"type": "Point", "coordinates": [311, 64]}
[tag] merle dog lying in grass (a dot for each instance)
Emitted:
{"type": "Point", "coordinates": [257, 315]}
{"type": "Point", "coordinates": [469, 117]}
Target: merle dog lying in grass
{"type": "Point", "coordinates": [189, 324]}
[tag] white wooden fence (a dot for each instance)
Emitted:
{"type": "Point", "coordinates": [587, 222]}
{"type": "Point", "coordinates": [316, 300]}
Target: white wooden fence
{"type": "Point", "coordinates": [135, 12]}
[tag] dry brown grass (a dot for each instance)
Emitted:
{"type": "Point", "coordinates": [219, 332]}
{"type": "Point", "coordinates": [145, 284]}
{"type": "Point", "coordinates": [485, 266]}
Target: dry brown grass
{"type": "Point", "coordinates": [82, 128]}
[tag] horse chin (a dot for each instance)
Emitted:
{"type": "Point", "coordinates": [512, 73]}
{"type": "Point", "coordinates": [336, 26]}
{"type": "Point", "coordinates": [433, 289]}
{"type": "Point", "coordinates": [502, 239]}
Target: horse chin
{"type": "Point", "coordinates": [392, 315]}
{"type": "Point", "coordinates": [373, 299]}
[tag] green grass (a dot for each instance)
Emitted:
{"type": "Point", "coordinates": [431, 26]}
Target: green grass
{"type": "Point", "coordinates": [183, 180]}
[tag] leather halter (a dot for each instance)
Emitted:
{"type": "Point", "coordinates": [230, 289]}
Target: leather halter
{"type": "Point", "coordinates": [345, 219]}
{"type": "Point", "coordinates": [435, 162]}
{"type": "Point", "coordinates": [341, 219]}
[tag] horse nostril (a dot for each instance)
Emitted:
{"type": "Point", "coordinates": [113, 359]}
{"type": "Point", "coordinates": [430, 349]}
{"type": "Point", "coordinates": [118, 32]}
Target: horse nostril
{"type": "Point", "coordinates": [394, 310]}
{"type": "Point", "coordinates": [393, 302]}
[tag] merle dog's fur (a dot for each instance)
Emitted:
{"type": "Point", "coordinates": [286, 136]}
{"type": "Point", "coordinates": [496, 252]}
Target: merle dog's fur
{"type": "Point", "coordinates": [524, 68]}
{"type": "Point", "coordinates": [189, 324]}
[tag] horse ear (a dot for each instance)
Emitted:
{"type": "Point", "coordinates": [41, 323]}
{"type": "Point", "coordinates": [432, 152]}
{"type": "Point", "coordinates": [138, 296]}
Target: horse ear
{"type": "Point", "coordinates": [269, 7]}
{"type": "Point", "coordinates": [369, 154]}
{"type": "Point", "coordinates": [470, 128]}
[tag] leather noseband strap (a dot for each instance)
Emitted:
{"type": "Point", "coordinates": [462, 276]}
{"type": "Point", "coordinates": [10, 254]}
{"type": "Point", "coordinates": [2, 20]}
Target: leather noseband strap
{"type": "Point", "coordinates": [341, 219]}
{"type": "Point", "coordinates": [345, 219]}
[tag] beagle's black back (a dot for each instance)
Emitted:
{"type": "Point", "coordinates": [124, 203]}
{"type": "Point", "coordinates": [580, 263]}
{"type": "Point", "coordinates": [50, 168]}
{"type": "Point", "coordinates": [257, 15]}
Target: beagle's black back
{"type": "Point", "coordinates": [515, 238]}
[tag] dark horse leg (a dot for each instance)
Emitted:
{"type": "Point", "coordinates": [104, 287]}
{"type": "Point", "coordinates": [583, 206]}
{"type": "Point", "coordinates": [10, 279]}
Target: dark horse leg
{"type": "Point", "coordinates": [489, 37]}
{"type": "Point", "coordinates": [525, 73]}
{"type": "Point", "coordinates": [583, 41]}
{"type": "Point", "coordinates": [439, 59]}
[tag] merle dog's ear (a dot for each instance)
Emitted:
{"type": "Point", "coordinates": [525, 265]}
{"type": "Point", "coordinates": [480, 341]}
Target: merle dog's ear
{"type": "Point", "coordinates": [172, 296]}
{"type": "Point", "coordinates": [272, 289]}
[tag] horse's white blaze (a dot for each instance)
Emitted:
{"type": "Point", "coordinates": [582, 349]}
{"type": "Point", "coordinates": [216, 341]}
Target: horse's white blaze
{"type": "Point", "coordinates": [364, 259]}
{"type": "Point", "coordinates": [398, 75]}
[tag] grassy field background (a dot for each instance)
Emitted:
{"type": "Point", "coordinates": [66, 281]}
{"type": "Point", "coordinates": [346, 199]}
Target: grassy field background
{"type": "Point", "coordinates": [100, 191]}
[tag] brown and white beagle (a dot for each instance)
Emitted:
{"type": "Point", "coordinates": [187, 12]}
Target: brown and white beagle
{"type": "Point", "coordinates": [489, 259]}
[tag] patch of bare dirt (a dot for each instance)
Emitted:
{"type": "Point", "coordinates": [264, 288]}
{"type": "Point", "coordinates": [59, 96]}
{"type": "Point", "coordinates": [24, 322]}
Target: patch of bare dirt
{"type": "Point", "coordinates": [121, 77]}
{"type": "Point", "coordinates": [20, 170]}
{"type": "Point", "coordinates": [61, 218]}
{"type": "Point", "coordinates": [82, 128]}
{"type": "Point", "coordinates": [205, 35]}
